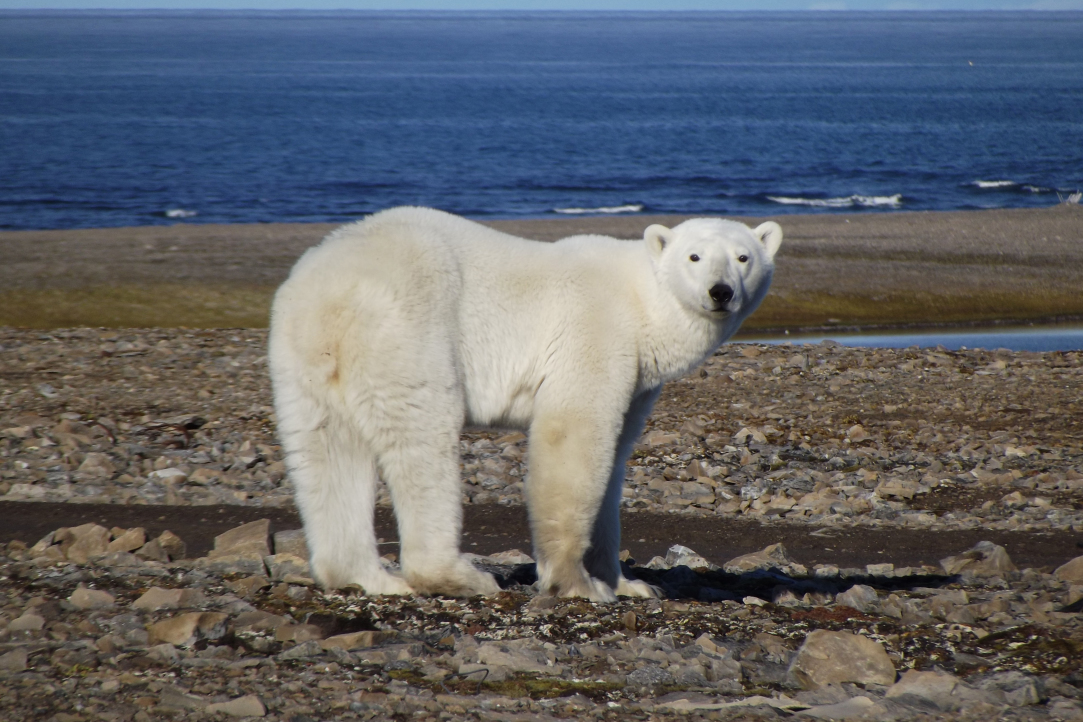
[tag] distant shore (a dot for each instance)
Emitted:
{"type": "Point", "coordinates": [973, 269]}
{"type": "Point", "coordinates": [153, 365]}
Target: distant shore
{"type": "Point", "coordinates": [861, 271]}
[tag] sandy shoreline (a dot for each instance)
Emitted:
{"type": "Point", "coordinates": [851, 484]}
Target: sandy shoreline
{"type": "Point", "coordinates": [882, 269]}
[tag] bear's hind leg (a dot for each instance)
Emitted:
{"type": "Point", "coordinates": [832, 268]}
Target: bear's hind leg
{"type": "Point", "coordinates": [334, 478]}
{"type": "Point", "coordinates": [421, 466]}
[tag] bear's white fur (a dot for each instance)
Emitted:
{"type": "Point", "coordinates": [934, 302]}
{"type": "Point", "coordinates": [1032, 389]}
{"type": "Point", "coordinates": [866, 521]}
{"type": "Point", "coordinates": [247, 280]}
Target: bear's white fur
{"type": "Point", "coordinates": [397, 330]}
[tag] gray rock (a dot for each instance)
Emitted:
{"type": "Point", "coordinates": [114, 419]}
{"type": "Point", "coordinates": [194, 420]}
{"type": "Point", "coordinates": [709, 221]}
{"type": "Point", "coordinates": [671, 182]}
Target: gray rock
{"type": "Point", "coordinates": [83, 598]}
{"type": "Point", "coordinates": [129, 541]}
{"type": "Point", "coordinates": [861, 597]}
{"type": "Point", "coordinates": [1020, 690]}
{"type": "Point", "coordinates": [985, 559]}
{"type": "Point", "coordinates": [1071, 571]}
{"type": "Point", "coordinates": [837, 657]}
{"type": "Point", "coordinates": [678, 555]}
{"type": "Point", "coordinates": [83, 542]}
{"type": "Point", "coordinates": [773, 557]}
{"type": "Point", "coordinates": [943, 691]}
{"type": "Point", "coordinates": [252, 538]}
{"type": "Point", "coordinates": [14, 661]}
{"type": "Point", "coordinates": [28, 622]}
{"type": "Point", "coordinates": [521, 655]}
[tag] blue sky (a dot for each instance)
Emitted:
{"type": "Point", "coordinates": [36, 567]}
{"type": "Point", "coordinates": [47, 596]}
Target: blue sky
{"type": "Point", "coordinates": [549, 4]}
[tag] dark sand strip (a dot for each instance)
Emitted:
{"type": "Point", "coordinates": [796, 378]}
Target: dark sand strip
{"type": "Point", "coordinates": [492, 528]}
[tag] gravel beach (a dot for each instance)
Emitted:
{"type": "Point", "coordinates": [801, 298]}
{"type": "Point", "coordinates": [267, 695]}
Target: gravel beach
{"type": "Point", "coordinates": [837, 533]}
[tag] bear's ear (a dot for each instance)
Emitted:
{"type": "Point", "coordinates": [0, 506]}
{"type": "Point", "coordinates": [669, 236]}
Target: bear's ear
{"type": "Point", "coordinates": [657, 237]}
{"type": "Point", "coordinates": [770, 235]}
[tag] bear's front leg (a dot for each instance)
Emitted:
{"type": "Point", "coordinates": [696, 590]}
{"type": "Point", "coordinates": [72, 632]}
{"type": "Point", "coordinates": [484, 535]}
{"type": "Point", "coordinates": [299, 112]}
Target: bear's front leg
{"type": "Point", "coordinates": [603, 557]}
{"type": "Point", "coordinates": [571, 455]}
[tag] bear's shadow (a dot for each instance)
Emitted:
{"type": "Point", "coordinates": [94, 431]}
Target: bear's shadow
{"type": "Point", "coordinates": [770, 585]}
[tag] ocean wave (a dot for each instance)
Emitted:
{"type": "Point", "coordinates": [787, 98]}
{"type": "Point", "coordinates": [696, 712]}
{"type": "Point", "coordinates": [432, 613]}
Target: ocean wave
{"type": "Point", "coordinates": [894, 201]}
{"type": "Point", "coordinates": [630, 208]}
{"type": "Point", "coordinates": [179, 213]}
{"type": "Point", "coordinates": [993, 184]}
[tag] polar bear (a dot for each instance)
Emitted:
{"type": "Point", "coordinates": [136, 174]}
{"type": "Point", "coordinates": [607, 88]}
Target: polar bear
{"type": "Point", "coordinates": [395, 331]}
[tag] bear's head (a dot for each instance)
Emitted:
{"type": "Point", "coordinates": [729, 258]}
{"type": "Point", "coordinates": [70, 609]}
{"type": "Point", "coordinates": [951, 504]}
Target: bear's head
{"type": "Point", "coordinates": [720, 269]}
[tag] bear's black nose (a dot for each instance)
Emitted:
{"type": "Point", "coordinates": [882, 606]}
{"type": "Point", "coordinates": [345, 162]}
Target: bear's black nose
{"type": "Point", "coordinates": [721, 293]}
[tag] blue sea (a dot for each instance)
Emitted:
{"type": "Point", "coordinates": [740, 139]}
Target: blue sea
{"type": "Point", "coordinates": [135, 118]}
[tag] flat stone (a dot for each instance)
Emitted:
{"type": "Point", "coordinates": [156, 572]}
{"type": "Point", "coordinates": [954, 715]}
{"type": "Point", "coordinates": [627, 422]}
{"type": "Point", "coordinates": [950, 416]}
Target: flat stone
{"type": "Point", "coordinates": [854, 707]}
{"type": "Point", "coordinates": [186, 629]}
{"type": "Point", "coordinates": [14, 661]}
{"type": "Point", "coordinates": [1072, 571]}
{"type": "Point", "coordinates": [247, 706]}
{"type": "Point", "coordinates": [936, 688]}
{"type": "Point", "coordinates": [83, 598]}
{"type": "Point", "coordinates": [772, 557]}
{"type": "Point", "coordinates": [157, 598]}
{"type": "Point", "coordinates": [985, 559]}
{"type": "Point", "coordinates": [836, 657]}
{"type": "Point", "coordinates": [28, 622]}
{"type": "Point", "coordinates": [128, 541]}
{"type": "Point", "coordinates": [251, 538]}
{"type": "Point", "coordinates": [292, 542]}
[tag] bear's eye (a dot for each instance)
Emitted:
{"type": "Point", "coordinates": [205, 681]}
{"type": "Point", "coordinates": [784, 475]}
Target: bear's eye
{"type": "Point", "coordinates": [693, 258]}
{"type": "Point", "coordinates": [742, 259]}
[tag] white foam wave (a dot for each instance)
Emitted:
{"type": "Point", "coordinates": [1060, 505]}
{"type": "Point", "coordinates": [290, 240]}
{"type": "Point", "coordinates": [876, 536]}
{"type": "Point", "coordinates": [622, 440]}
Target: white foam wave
{"type": "Point", "coordinates": [894, 201]}
{"type": "Point", "coordinates": [994, 184]}
{"type": "Point", "coordinates": [1037, 189]}
{"type": "Point", "coordinates": [180, 213]}
{"type": "Point", "coordinates": [631, 208]}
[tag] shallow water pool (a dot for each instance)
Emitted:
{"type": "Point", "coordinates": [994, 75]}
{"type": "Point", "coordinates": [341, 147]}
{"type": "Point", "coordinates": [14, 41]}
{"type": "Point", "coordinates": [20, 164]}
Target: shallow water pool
{"type": "Point", "coordinates": [1028, 338]}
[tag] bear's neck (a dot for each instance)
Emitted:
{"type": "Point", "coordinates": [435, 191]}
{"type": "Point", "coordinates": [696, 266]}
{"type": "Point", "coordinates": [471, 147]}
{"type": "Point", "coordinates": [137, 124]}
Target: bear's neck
{"type": "Point", "coordinates": [678, 341]}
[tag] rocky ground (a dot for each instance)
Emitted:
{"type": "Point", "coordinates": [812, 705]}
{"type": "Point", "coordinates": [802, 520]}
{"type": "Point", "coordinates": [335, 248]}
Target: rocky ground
{"type": "Point", "coordinates": [819, 434]}
{"type": "Point", "coordinates": [107, 624]}
{"type": "Point", "coordinates": [100, 623]}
